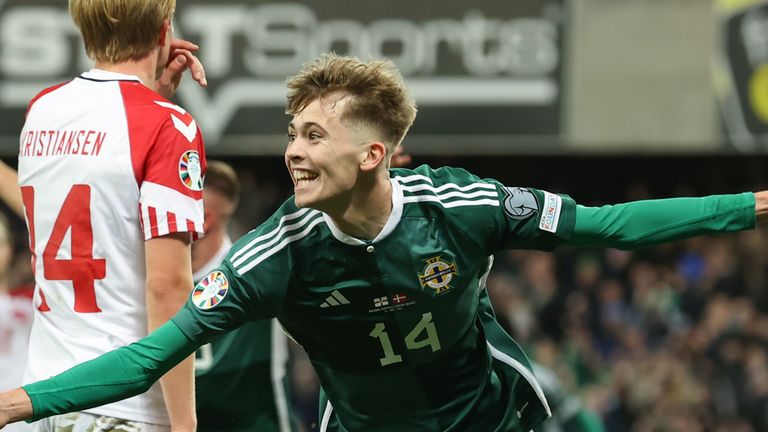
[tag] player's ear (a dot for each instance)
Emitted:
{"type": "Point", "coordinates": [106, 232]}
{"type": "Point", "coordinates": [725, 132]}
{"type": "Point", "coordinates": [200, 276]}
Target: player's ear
{"type": "Point", "coordinates": [375, 155]}
{"type": "Point", "coordinates": [165, 32]}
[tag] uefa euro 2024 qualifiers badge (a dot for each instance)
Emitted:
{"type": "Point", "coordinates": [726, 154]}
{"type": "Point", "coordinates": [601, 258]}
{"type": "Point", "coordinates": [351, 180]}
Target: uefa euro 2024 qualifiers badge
{"type": "Point", "coordinates": [190, 171]}
{"type": "Point", "coordinates": [210, 291]}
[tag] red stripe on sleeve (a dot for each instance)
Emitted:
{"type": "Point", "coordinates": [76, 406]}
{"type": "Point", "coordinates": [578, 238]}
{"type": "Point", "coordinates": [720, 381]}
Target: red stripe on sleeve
{"type": "Point", "coordinates": [153, 221]}
{"type": "Point", "coordinates": [172, 222]}
{"type": "Point", "coordinates": [192, 230]}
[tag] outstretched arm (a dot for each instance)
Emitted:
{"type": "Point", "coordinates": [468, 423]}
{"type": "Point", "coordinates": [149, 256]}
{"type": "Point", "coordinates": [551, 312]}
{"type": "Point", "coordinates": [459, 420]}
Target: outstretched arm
{"type": "Point", "coordinates": [646, 223]}
{"type": "Point", "coordinates": [113, 376]}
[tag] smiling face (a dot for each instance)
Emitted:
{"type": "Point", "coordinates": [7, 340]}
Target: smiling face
{"type": "Point", "coordinates": [324, 155]}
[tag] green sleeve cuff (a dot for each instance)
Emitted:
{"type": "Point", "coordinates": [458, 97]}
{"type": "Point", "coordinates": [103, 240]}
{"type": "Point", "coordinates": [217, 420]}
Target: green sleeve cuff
{"type": "Point", "coordinates": [568, 218]}
{"type": "Point", "coordinates": [114, 376]}
{"type": "Point", "coordinates": [646, 223]}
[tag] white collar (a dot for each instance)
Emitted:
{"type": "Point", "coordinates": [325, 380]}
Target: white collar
{"type": "Point", "coordinates": [394, 219]}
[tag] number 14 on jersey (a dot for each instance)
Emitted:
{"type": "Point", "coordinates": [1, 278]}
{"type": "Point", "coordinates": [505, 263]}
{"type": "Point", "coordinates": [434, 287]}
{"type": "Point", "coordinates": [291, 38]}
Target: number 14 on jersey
{"type": "Point", "coordinates": [424, 325]}
{"type": "Point", "coordinates": [82, 268]}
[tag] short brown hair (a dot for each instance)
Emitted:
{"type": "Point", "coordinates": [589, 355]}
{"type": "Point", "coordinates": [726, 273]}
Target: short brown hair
{"type": "Point", "coordinates": [222, 178]}
{"type": "Point", "coordinates": [115, 31]}
{"type": "Point", "coordinates": [380, 99]}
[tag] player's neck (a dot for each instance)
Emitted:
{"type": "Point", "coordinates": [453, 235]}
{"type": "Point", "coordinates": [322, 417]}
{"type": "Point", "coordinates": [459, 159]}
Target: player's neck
{"type": "Point", "coordinates": [367, 212]}
{"type": "Point", "coordinates": [145, 69]}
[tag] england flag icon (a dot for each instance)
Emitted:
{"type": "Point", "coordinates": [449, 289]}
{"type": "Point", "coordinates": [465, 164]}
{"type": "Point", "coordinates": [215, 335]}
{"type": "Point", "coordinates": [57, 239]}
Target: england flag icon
{"type": "Point", "coordinates": [380, 302]}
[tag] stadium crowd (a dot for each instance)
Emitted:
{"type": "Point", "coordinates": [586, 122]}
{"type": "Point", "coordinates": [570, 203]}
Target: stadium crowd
{"type": "Point", "coordinates": [665, 339]}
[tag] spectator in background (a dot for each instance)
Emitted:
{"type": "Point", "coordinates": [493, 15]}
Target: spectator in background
{"type": "Point", "coordinates": [15, 318]}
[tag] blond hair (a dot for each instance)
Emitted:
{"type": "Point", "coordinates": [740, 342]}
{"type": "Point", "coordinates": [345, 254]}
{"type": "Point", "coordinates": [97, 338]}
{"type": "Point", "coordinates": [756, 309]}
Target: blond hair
{"type": "Point", "coordinates": [379, 97]}
{"type": "Point", "coordinates": [115, 31]}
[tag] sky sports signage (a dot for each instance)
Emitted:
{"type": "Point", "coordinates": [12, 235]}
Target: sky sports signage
{"type": "Point", "coordinates": [481, 71]}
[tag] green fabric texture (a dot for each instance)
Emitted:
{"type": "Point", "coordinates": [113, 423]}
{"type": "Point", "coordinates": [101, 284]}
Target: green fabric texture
{"type": "Point", "coordinates": [646, 223]}
{"type": "Point", "coordinates": [119, 374]}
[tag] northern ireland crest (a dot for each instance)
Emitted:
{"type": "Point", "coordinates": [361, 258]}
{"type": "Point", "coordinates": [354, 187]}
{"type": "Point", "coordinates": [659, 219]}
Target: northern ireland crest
{"type": "Point", "coordinates": [438, 274]}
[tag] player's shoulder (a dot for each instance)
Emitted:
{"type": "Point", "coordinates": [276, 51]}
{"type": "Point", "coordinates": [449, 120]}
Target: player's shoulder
{"type": "Point", "coordinates": [436, 177]}
{"type": "Point", "coordinates": [288, 217]}
{"type": "Point", "coordinates": [287, 225]}
{"type": "Point", "coordinates": [156, 122]}
{"type": "Point", "coordinates": [47, 91]}
{"type": "Point", "coordinates": [444, 189]}
{"type": "Point", "coordinates": [151, 106]}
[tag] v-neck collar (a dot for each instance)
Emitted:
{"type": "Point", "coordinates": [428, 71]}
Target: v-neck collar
{"type": "Point", "coordinates": [394, 219]}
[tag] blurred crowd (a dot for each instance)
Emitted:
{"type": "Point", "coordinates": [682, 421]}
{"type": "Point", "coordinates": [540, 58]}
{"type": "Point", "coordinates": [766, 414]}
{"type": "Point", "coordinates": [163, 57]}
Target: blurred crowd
{"type": "Point", "coordinates": [669, 338]}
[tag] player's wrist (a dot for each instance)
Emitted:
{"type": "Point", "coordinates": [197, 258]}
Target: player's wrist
{"type": "Point", "coordinates": [15, 405]}
{"type": "Point", "coordinates": [761, 207]}
{"type": "Point", "coordinates": [184, 427]}
{"type": "Point", "coordinates": [187, 424]}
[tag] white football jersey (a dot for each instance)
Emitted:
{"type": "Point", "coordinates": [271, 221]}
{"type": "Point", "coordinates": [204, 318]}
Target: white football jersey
{"type": "Point", "coordinates": [104, 164]}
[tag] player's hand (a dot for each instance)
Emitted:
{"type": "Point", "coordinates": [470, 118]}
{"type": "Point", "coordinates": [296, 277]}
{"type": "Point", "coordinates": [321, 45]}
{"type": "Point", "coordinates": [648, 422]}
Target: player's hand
{"type": "Point", "coordinates": [180, 59]}
{"type": "Point", "coordinates": [400, 158]}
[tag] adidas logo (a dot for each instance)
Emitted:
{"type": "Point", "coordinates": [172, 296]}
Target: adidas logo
{"type": "Point", "coordinates": [335, 299]}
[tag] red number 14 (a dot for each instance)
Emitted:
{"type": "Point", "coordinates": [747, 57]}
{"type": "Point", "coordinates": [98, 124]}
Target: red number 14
{"type": "Point", "coordinates": [82, 269]}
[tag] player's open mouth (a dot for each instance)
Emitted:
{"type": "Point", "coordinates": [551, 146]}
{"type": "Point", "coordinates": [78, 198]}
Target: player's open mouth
{"type": "Point", "coordinates": [303, 177]}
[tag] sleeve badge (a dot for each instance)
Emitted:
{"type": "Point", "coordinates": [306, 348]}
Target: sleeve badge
{"type": "Point", "coordinates": [210, 291]}
{"type": "Point", "coordinates": [191, 171]}
{"type": "Point", "coordinates": [520, 203]}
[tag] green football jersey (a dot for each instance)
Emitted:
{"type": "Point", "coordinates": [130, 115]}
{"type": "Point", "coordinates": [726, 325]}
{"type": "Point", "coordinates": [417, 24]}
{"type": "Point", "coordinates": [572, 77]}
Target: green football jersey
{"type": "Point", "coordinates": [395, 326]}
{"type": "Point", "coordinates": [241, 384]}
